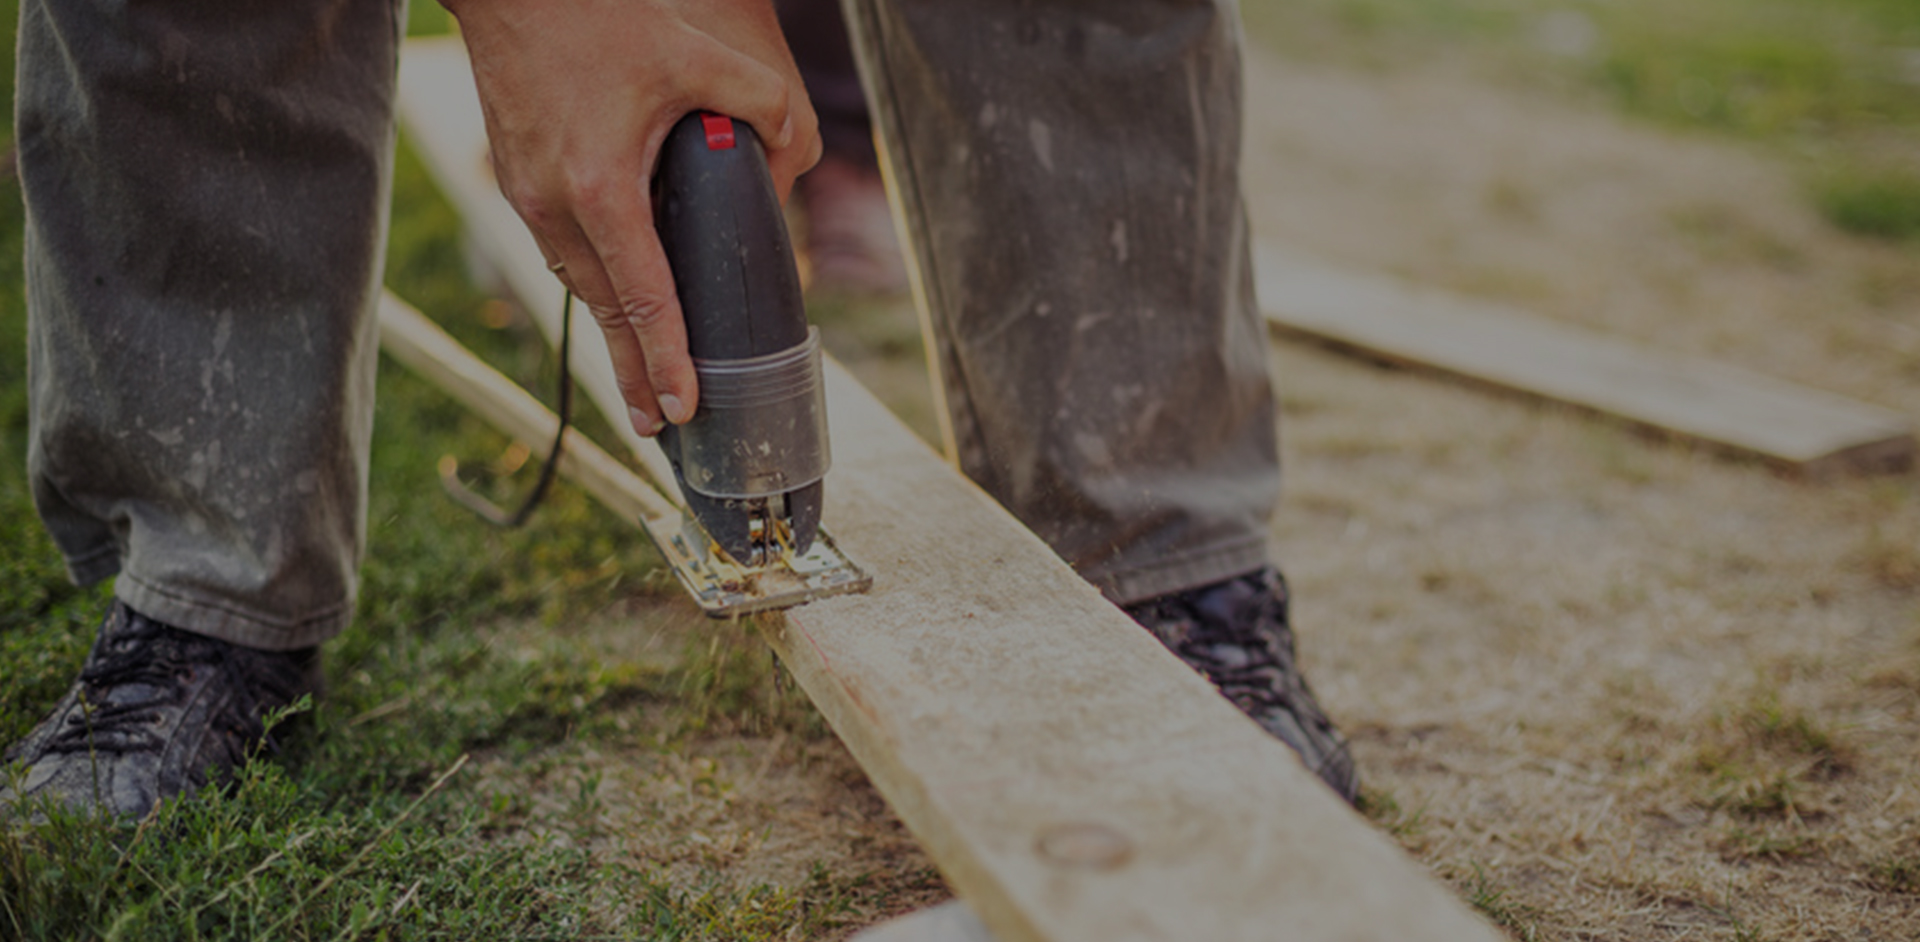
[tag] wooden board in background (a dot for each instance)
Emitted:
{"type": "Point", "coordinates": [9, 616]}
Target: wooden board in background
{"type": "Point", "coordinates": [1804, 430]}
{"type": "Point", "coordinates": [947, 922]}
{"type": "Point", "coordinates": [1071, 778]}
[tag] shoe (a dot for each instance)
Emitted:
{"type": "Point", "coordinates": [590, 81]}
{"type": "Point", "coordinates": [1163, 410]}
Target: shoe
{"type": "Point", "coordinates": [1236, 633]}
{"type": "Point", "coordinates": [851, 247]}
{"type": "Point", "coordinates": [157, 712]}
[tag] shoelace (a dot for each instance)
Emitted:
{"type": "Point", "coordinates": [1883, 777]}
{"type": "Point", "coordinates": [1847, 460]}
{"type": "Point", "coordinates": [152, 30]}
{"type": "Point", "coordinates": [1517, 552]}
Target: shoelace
{"type": "Point", "coordinates": [1249, 671]}
{"type": "Point", "coordinates": [1242, 663]}
{"type": "Point", "coordinates": [138, 659]}
{"type": "Point", "coordinates": [1218, 631]}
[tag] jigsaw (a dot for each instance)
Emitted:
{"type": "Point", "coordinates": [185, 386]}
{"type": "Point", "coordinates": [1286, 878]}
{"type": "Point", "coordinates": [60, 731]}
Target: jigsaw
{"type": "Point", "coordinates": [752, 461]}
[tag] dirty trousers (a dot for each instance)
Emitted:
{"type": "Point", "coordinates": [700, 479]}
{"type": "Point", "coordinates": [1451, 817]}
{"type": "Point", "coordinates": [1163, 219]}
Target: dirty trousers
{"type": "Point", "coordinates": [206, 188]}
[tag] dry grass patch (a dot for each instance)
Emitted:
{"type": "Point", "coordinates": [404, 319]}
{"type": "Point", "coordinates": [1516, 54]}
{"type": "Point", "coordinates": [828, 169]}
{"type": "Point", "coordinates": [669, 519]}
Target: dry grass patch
{"type": "Point", "coordinates": [724, 785]}
{"type": "Point", "coordinates": [1766, 760]}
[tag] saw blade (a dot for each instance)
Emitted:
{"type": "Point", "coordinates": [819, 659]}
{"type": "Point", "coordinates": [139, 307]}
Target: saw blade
{"type": "Point", "coordinates": [725, 589]}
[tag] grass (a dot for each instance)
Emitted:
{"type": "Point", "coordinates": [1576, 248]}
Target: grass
{"type": "Point", "coordinates": [1492, 901]}
{"type": "Point", "coordinates": [455, 781]}
{"type": "Point", "coordinates": [1744, 843]}
{"type": "Point", "coordinates": [1882, 203]}
{"type": "Point", "coordinates": [1768, 761]}
{"type": "Point", "coordinates": [1380, 807]}
{"type": "Point", "coordinates": [1832, 84]}
{"type": "Point", "coordinates": [1897, 874]}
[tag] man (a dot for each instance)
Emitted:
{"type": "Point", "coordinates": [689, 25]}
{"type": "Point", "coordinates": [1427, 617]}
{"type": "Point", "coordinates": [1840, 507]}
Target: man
{"type": "Point", "coordinates": [206, 187]}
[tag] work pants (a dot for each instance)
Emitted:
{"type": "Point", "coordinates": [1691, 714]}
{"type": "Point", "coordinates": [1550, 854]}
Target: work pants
{"type": "Point", "coordinates": [1070, 178]}
{"type": "Point", "coordinates": [206, 188]}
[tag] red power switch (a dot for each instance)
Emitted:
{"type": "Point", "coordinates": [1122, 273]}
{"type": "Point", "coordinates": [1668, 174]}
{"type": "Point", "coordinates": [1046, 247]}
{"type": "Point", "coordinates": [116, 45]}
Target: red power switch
{"type": "Point", "coordinates": [719, 130]}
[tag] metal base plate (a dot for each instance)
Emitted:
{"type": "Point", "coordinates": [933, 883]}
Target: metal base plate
{"type": "Point", "coordinates": [726, 590]}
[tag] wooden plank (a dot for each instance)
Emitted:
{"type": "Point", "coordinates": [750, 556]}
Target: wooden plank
{"type": "Point", "coordinates": [1805, 430]}
{"type": "Point", "coordinates": [408, 336]}
{"type": "Point", "coordinates": [947, 922]}
{"type": "Point", "coordinates": [1072, 779]}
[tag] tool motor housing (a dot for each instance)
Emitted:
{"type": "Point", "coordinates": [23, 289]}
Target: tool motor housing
{"type": "Point", "coordinates": [752, 458]}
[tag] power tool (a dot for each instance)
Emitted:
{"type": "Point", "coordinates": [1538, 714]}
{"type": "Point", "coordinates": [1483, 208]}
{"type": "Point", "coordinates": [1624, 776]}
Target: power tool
{"type": "Point", "coordinates": [752, 461]}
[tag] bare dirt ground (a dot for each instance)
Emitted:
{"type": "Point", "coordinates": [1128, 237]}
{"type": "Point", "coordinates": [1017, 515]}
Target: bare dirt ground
{"type": "Point", "coordinates": [1608, 687]}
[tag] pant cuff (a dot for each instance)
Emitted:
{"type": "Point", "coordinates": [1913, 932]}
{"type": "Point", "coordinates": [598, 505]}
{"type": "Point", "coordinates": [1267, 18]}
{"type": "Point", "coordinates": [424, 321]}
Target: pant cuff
{"type": "Point", "coordinates": [228, 622]}
{"type": "Point", "coordinates": [1187, 571]}
{"type": "Point", "coordinates": [94, 566]}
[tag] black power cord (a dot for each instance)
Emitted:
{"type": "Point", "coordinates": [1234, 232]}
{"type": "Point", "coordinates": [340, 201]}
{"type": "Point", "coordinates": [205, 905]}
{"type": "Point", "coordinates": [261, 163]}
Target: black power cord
{"type": "Point", "coordinates": [488, 510]}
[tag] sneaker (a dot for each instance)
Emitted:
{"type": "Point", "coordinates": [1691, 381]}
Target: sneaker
{"type": "Point", "coordinates": [851, 247]}
{"type": "Point", "coordinates": [157, 712]}
{"type": "Point", "coordinates": [1236, 633]}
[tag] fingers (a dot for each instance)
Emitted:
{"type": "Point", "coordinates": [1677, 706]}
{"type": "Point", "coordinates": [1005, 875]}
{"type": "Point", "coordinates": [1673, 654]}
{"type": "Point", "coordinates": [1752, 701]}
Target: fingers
{"type": "Point", "coordinates": [627, 281]}
{"type": "Point", "coordinates": [798, 155]}
{"type": "Point", "coordinates": [555, 263]}
{"type": "Point", "coordinates": [574, 157]}
{"type": "Point", "coordinates": [639, 304]}
{"type": "Point", "coordinates": [643, 327]}
{"type": "Point", "coordinates": [773, 100]}
{"type": "Point", "coordinates": [782, 116]}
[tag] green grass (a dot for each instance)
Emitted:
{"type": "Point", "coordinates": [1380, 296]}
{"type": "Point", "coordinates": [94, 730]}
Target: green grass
{"type": "Point", "coordinates": [1762, 66]}
{"type": "Point", "coordinates": [470, 644]}
{"type": "Point", "coordinates": [1899, 873]}
{"type": "Point", "coordinates": [1878, 203]}
{"type": "Point", "coordinates": [1766, 760]}
{"type": "Point", "coordinates": [1744, 843]}
{"type": "Point", "coordinates": [1828, 81]}
{"type": "Point", "coordinates": [1491, 900]}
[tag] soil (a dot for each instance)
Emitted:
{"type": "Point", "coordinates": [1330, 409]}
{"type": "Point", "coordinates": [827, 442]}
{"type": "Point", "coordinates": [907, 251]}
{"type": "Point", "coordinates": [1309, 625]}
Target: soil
{"type": "Point", "coordinates": [1608, 687]}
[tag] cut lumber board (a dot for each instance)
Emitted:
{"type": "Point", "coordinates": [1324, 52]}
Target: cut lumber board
{"type": "Point", "coordinates": [1804, 430]}
{"type": "Point", "coordinates": [1071, 778]}
{"type": "Point", "coordinates": [417, 342]}
{"type": "Point", "coordinates": [947, 922]}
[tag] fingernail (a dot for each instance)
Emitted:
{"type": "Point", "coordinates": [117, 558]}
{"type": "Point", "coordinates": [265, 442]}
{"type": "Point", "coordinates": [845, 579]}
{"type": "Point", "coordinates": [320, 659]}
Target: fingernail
{"type": "Point", "coordinates": [675, 410]}
{"type": "Point", "coordinates": [786, 132]}
{"type": "Point", "coordinates": [646, 425]}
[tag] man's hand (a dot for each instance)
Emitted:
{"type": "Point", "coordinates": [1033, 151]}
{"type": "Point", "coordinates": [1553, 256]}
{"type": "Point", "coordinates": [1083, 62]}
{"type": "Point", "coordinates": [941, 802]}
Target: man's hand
{"type": "Point", "coordinates": [579, 95]}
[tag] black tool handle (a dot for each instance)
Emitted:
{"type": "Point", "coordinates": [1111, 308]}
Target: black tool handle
{"type": "Point", "coordinates": [726, 239]}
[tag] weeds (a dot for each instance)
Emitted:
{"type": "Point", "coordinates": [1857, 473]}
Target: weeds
{"type": "Point", "coordinates": [1483, 894]}
{"type": "Point", "coordinates": [1756, 792]}
{"type": "Point", "coordinates": [1898, 873]}
{"type": "Point", "coordinates": [1741, 843]}
{"type": "Point", "coordinates": [1765, 760]}
{"type": "Point", "coordinates": [1384, 811]}
{"type": "Point", "coordinates": [1772, 726]}
{"type": "Point", "coordinates": [1882, 204]}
